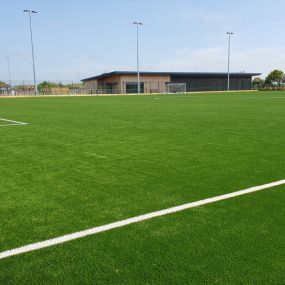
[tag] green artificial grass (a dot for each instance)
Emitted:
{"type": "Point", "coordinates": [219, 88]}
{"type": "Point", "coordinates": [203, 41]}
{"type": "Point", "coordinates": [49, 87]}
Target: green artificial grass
{"type": "Point", "coordinates": [87, 161]}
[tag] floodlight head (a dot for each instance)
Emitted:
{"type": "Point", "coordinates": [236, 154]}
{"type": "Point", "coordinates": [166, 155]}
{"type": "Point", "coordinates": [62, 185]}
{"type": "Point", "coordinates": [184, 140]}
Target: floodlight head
{"type": "Point", "coordinates": [30, 11]}
{"type": "Point", "coordinates": [230, 33]}
{"type": "Point", "coordinates": [137, 23]}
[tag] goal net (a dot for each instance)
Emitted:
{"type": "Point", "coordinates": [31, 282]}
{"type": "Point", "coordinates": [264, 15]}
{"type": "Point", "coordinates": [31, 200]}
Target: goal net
{"type": "Point", "coordinates": [175, 88]}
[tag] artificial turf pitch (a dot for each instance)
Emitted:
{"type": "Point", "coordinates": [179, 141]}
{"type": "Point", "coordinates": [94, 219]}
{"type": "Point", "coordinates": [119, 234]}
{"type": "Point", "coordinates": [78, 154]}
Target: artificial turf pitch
{"type": "Point", "coordinates": [88, 161]}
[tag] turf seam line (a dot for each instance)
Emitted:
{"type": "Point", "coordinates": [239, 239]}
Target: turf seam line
{"type": "Point", "coordinates": [14, 123]}
{"type": "Point", "coordinates": [137, 219]}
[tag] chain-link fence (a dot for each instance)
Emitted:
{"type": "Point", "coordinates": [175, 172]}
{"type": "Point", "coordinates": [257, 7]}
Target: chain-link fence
{"type": "Point", "coordinates": [126, 88]}
{"type": "Point", "coordinates": [18, 87]}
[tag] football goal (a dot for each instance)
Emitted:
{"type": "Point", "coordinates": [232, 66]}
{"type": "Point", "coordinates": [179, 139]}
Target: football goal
{"type": "Point", "coordinates": [175, 88]}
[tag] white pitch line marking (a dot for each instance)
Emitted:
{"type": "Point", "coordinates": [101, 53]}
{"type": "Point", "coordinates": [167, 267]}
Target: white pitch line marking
{"type": "Point", "coordinates": [119, 224]}
{"type": "Point", "coordinates": [14, 123]}
{"type": "Point", "coordinates": [177, 99]}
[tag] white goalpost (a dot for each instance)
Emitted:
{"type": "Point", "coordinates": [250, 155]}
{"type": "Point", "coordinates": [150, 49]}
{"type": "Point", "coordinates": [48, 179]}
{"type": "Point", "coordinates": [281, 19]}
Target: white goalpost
{"type": "Point", "coordinates": [175, 88]}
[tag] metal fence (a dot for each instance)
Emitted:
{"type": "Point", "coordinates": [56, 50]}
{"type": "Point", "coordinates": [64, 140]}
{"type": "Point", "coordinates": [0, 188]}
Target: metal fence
{"type": "Point", "coordinates": [76, 88]}
{"type": "Point", "coordinates": [19, 87]}
{"type": "Point", "coordinates": [127, 88]}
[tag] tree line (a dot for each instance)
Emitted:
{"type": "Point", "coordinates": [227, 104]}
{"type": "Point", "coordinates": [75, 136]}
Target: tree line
{"type": "Point", "coordinates": [43, 85]}
{"type": "Point", "coordinates": [274, 80]}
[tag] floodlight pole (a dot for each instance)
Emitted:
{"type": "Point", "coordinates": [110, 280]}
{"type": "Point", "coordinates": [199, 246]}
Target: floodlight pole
{"type": "Point", "coordinates": [32, 44]}
{"type": "Point", "coordinates": [229, 55]}
{"type": "Point", "coordinates": [9, 73]}
{"type": "Point", "coordinates": [138, 59]}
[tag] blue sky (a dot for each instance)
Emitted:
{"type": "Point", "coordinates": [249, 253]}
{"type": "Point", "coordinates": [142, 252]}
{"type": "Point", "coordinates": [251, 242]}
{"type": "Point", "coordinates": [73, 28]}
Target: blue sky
{"type": "Point", "coordinates": [76, 39]}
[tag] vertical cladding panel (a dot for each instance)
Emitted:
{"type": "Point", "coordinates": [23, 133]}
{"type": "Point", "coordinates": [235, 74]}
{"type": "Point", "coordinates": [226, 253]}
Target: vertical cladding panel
{"type": "Point", "coordinates": [202, 84]}
{"type": "Point", "coordinates": [212, 83]}
{"type": "Point", "coordinates": [241, 83]}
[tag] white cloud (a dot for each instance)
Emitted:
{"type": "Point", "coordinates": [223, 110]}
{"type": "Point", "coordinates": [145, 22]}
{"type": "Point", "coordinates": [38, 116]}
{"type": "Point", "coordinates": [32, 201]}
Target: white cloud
{"type": "Point", "coordinates": [203, 15]}
{"type": "Point", "coordinates": [79, 69]}
{"type": "Point", "coordinates": [260, 59]}
{"type": "Point", "coordinates": [209, 59]}
{"type": "Point", "coordinates": [194, 60]}
{"type": "Point", "coordinates": [215, 59]}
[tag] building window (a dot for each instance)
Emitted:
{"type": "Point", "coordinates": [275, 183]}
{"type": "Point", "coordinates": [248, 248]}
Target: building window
{"type": "Point", "coordinates": [108, 88]}
{"type": "Point", "coordinates": [132, 87]}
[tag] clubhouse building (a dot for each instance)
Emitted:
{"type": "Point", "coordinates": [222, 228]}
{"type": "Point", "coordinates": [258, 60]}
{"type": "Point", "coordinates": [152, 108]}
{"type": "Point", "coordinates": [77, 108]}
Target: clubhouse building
{"type": "Point", "coordinates": [124, 82]}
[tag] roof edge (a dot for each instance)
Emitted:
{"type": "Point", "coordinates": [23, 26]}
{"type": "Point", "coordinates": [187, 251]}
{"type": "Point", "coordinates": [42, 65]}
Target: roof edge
{"type": "Point", "coordinates": [113, 73]}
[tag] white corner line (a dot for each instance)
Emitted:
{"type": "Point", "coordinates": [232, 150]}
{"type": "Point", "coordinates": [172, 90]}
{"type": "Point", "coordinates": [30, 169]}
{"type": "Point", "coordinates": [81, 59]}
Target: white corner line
{"type": "Point", "coordinates": [119, 224]}
{"type": "Point", "coordinates": [14, 123]}
{"type": "Point", "coordinates": [8, 125]}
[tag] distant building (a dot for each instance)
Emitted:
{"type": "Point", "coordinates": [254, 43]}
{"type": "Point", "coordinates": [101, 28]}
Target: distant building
{"type": "Point", "coordinates": [124, 82]}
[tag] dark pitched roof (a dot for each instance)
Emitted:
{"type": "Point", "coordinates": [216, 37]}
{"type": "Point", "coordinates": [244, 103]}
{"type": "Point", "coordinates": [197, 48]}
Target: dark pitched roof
{"type": "Point", "coordinates": [173, 74]}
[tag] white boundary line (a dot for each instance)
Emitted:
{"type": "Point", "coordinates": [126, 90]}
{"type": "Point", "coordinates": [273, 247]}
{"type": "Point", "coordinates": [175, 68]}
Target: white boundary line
{"type": "Point", "coordinates": [175, 97]}
{"type": "Point", "coordinates": [14, 123]}
{"type": "Point", "coordinates": [108, 227]}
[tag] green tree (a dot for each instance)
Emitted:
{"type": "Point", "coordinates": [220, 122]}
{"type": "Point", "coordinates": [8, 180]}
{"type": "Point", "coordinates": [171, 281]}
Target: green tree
{"type": "Point", "coordinates": [275, 77]}
{"type": "Point", "coordinates": [3, 84]}
{"type": "Point", "coordinates": [257, 83]}
{"type": "Point", "coordinates": [46, 85]}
